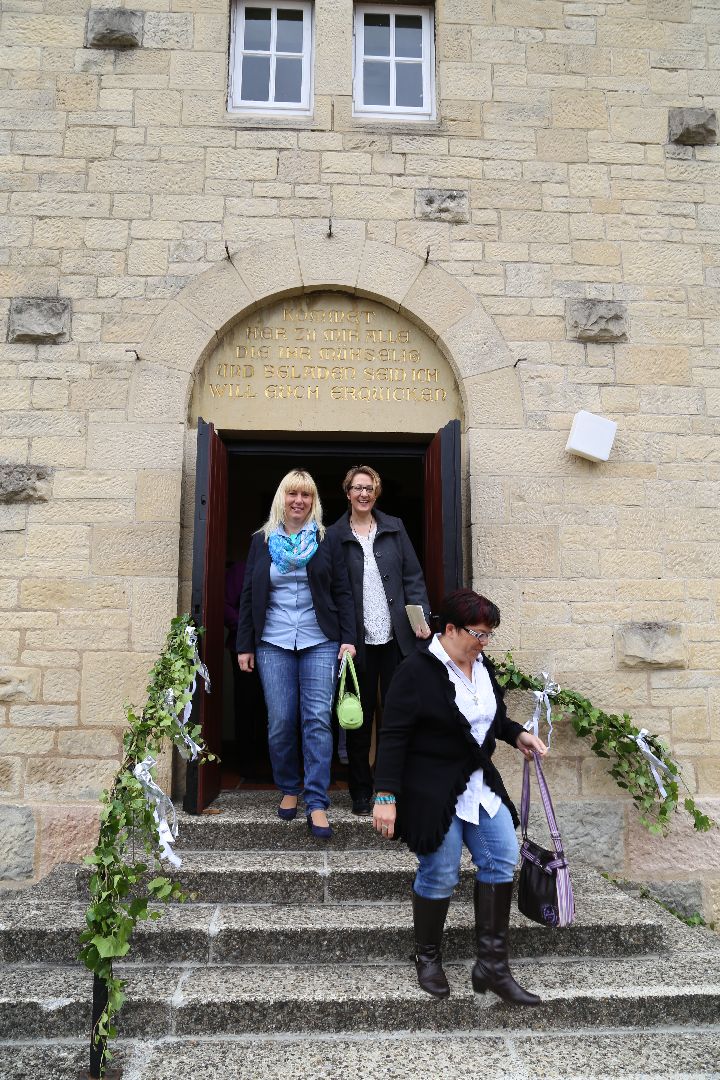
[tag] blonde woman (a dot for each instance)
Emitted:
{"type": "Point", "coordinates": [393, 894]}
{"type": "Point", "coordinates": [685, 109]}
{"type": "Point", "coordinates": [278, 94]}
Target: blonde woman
{"type": "Point", "coordinates": [296, 620]}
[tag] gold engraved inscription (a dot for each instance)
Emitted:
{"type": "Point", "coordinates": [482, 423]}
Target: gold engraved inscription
{"type": "Point", "coordinates": [324, 349]}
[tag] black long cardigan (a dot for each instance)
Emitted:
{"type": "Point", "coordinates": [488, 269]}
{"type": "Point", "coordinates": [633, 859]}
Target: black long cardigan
{"type": "Point", "coordinates": [427, 752]}
{"type": "Point", "coordinates": [400, 572]}
{"type": "Point", "coordinates": [329, 588]}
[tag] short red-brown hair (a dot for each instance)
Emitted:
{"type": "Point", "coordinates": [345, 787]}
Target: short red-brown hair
{"type": "Point", "coordinates": [466, 608]}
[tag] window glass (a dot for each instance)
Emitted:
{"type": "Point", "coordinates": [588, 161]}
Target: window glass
{"type": "Point", "coordinates": [257, 28]}
{"type": "Point", "coordinates": [288, 79]}
{"type": "Point", "coordinates": [408, 35]}
{"type": "Point", "coordinates": [377, 35]}
{"type": "Point", "coordinates": [255, 78]}
{"type": "Point", "coordinates": [289, 31]}
{"type": "Point", "coordinates": [409, 86]}
{"type": "Point", "coordinates": [377, 82]}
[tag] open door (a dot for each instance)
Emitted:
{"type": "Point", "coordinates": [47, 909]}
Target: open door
{"type": "Point", "coordinates": [208, 592]}
{"type": "Point", "coordinates": [443, 514]}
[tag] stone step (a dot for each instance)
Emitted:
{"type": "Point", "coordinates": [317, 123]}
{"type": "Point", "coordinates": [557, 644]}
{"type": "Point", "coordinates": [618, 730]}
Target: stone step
{"type": "Point", "coordinates": [248, 820]}
{"type": "Point", "coordinates": [298, 877]}
{"type": "Point", "coordinates": [660, 1053]}
{"type": "Point", "coordinates": [54, 1002]}
{"type": "Point", "coordinates": [47, 932]}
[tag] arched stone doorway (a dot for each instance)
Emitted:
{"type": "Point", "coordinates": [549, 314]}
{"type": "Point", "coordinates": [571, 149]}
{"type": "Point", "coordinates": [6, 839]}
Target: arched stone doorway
{"type": "Point", "coordinates": [473, 364]}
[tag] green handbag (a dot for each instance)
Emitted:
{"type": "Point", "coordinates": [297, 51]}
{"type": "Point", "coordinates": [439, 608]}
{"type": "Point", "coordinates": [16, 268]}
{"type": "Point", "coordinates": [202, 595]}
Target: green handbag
{"type": "Point", "coordinates": [348, 708]}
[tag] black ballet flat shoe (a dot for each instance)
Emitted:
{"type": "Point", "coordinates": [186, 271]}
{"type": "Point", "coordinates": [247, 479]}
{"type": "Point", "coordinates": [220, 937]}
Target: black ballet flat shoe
{"type": "Point", "coordinates": [287, 813]}
{"type": "Point", "coordinates": [320, 832]}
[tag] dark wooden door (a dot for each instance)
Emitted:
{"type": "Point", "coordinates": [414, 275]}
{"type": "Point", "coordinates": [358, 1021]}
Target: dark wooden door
{"type": "Point", "coordinates": [208, 593]}
{"type": "Point", "coordinates": [443, 514]}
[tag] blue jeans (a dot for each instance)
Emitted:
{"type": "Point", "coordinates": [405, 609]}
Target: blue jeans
{"type": "Point", "coordinates": [300, 683]}
{"type": "Point", "coordinates": [492, 844]}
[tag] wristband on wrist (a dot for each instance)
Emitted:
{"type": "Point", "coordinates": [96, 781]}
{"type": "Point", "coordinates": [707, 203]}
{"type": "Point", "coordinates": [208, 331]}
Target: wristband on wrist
{"type": "Point", "coordinates": [385, 800]}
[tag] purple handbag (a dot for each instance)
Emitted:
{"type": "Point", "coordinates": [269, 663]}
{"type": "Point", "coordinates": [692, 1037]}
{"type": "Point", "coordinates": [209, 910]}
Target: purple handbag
{"type": "Point", "coordinates": [545, 892]}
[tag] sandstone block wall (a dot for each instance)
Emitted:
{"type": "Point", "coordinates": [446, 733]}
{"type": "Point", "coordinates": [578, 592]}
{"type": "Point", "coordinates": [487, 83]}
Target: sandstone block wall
{"type": "Point", "coordinates": [548, 179]}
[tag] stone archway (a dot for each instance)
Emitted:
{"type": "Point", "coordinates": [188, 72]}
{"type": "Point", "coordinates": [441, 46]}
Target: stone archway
{"type": "Point", "coordinates": [190, 326]}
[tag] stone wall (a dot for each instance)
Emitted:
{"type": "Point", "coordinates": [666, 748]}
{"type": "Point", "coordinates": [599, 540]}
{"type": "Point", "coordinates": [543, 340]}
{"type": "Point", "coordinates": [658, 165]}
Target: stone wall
{"type": "Point", "coordinates": [549, 179]}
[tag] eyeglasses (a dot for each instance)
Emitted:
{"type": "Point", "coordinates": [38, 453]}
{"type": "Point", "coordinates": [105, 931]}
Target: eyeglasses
{"type": "Point", "coordinates": [362, 489]}
{"type": "Point", "coordinates": [482, 636]}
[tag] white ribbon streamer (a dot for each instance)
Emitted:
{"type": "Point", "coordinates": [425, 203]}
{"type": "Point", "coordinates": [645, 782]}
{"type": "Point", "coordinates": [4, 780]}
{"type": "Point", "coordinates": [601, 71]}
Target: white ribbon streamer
{"type": "Point", "coordinates": [654, 762]}
{"type": "Point", "coordinates": [542, 700]}
{"type": "Point", "coordinates": [191, 749]}
{"type": "Point", "coordinates": [163, 805]}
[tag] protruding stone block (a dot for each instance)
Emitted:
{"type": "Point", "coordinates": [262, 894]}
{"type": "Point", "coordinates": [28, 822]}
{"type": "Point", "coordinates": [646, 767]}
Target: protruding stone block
{"type": "Point", "coordinates": [438, 204]}
{"type": "Point", "coordinates": [654, 643]}
{"type": "Point", "coordinates": [38, 320]}
{"type": "Point", "coordinates": [24, 483]}
{"type": "Point", "coordinates": [685, 897]}
{"type": "Point", "coordinates": [19, 685]}
{"type": "Point", "coordinates": [693, 127]}
{"type": "Point", "coordinates": [17, 853]}
{"type": "Point", "coordinates": [114, 28]}
{"type": "Point", "coordinates": [596, 320]}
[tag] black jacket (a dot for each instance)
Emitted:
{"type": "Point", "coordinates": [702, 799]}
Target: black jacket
{"type": "Point", "coordinates": [427, 752]}
{"type": "Point", "coordinates": [329, 587]}
{"type": "Point", "coordinates": [400, 571]}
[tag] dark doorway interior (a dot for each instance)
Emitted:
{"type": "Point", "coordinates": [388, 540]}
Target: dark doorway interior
{"type": "Point", "coordinates": [254, 472]}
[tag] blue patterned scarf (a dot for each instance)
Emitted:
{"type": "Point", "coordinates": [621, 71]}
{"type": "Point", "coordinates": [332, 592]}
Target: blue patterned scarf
{"type": "Point", "coordinates": [292, 552]}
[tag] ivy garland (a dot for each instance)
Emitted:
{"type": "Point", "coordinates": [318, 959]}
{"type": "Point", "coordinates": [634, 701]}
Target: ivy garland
{"type": "Point", "coordinates": [129, 845]}
{"type": "Point", "coordinates": [614, 737]}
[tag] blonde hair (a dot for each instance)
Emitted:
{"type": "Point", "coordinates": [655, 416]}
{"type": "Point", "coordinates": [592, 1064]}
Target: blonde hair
{"type": "Point", "coordinates": [295, 480]}
{"type": "Point", "coordinates": [355, 471]}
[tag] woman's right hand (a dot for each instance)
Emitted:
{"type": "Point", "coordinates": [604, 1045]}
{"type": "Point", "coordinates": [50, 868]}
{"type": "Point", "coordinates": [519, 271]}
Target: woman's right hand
{"type": "Point", "coordinates": [246, 660]}
{"type": "Point", "coordinates": [384, 815]}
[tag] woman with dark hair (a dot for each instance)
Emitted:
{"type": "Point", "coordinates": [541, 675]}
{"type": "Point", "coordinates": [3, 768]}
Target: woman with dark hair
{"type": "Point", "coordinates": [385, 575]}
{"type": "Point", "coordinates": [296, 620]}
{"type": "Point", "coordinates": [437, 789]}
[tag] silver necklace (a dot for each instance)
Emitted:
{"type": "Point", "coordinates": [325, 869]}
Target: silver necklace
{"type": "Point", "coordinates": [367, 551]}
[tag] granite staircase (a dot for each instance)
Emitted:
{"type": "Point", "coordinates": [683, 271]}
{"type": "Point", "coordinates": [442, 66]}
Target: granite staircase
{"type": "Point", "coordinates": [292, 961]}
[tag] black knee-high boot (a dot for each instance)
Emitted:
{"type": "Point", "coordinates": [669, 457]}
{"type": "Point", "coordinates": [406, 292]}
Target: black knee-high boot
{"type": "Point", "coordinates": [491, 971]}
{"type": "Point", "coordinates": [429, 920]}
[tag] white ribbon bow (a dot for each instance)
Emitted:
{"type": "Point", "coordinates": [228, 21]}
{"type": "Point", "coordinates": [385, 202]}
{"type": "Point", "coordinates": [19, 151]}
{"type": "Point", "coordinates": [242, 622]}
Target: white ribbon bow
{"type": "Point", "coordinates": [542, 699]}
{"type": "Point", "coordinates": [654, 762]}
{"type": "Point", "coordinates": [163, 806]}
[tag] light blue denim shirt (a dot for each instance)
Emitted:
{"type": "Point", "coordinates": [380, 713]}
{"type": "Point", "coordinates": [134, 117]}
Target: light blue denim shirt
{"type": "Point", "coordinates": [290, 621]}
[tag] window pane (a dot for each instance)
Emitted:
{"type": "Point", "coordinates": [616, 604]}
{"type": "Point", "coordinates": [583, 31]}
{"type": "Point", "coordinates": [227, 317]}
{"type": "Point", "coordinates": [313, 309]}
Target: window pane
{"type": "Point", "coordinates": [257, 28]}
{"type": "Point", "coordinates": [255, 78]}
{"type": "Point", "coordinates": [408, 85]}
{"type": "Point", "coordinates": [377, 35]}
{"type": "Point", "coordinates": [408, 35]}
{"type": "Point", "coordinates": [376, 82]}
{"type": "Point", "coordinates": [289, 31]}
{"type": "Point", "coordinates": [288, 79]}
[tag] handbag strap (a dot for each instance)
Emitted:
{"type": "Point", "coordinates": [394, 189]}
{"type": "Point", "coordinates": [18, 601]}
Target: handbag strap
{"type": "Point", "coordinates": [347, 662]}
{"type": "Point", "coordinates": [546, 801]}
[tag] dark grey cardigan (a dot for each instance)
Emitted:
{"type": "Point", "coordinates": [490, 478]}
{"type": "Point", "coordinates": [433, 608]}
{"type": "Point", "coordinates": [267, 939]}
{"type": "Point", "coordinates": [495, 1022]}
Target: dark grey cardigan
{"type": "Point", "coordinates": [400, 571]}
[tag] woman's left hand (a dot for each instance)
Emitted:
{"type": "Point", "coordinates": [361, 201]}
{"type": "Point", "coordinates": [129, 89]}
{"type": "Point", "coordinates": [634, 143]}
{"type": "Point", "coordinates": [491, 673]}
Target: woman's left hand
{"type": "Point", "coordinates": [527, 742]}
{"type": "Point", "coordinates": [347, 649]}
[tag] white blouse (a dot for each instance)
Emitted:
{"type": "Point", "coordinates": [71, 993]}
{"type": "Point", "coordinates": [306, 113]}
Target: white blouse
{"type": "Point", "coordinates": [376, 610]}
{"type": "Point", "coordinates": [476, 701]}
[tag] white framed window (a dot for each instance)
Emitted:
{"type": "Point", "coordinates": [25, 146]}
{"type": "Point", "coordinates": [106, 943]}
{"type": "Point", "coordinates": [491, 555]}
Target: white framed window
{"type": "Point", "coordinates": [271, 57]}
{"type": "Point", "coordinates": [394, 73]}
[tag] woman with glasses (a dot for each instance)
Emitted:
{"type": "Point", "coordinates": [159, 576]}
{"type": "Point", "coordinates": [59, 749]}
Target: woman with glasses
{"type": "Point", "coordinates": [295, 611]}
{"type": "Point", "coordinates": [437, 789]}
{"type": "Point", "coordinates": [385, 575]}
